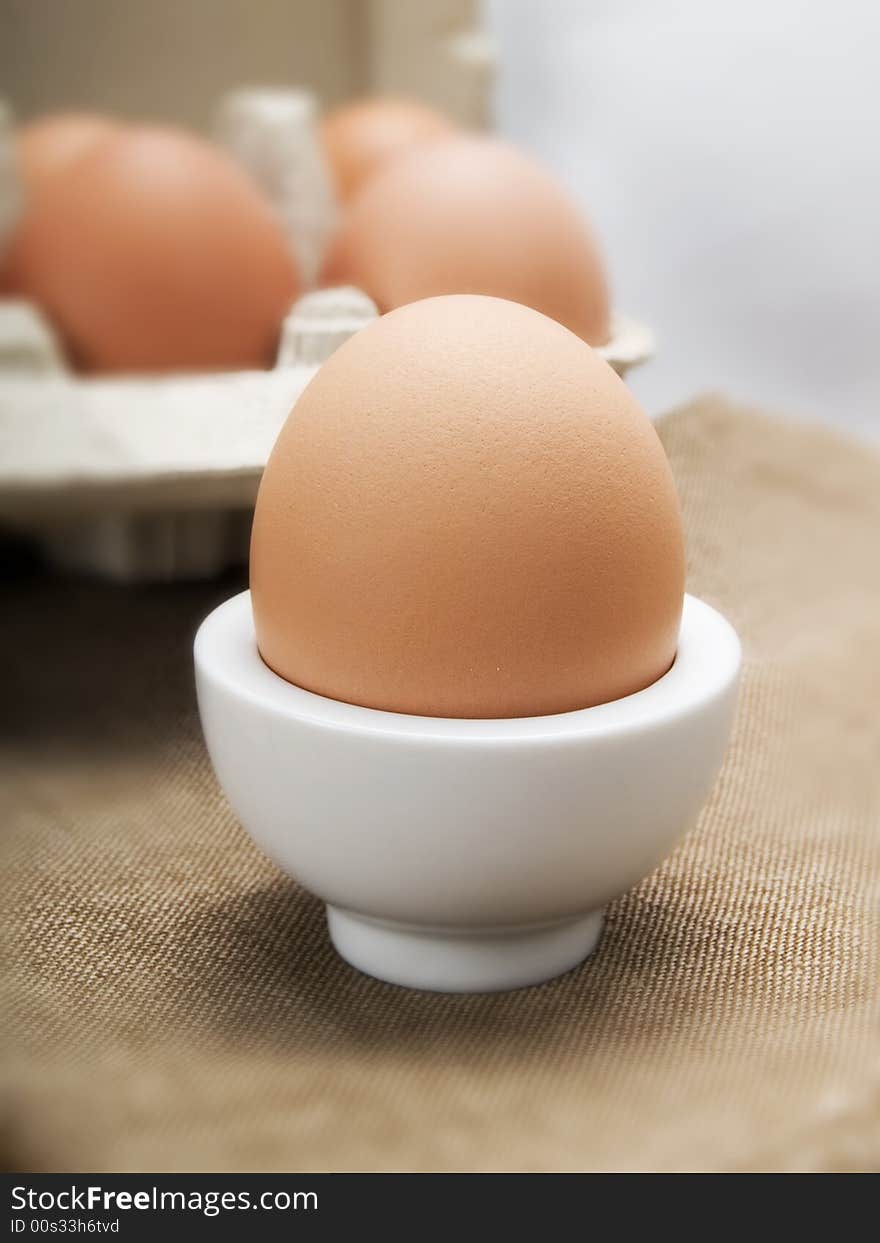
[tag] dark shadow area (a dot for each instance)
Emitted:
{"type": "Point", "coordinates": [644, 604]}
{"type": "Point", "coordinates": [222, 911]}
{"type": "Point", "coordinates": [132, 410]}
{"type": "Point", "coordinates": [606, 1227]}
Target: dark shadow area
{"type": "Point", "coordinates": [280, 983]}
{"type": "Point", "coordinates": [98, 668]}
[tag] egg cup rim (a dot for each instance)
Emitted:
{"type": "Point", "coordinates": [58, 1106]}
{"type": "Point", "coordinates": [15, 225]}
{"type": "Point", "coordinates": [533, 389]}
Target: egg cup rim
{"type": "Point", "coordinates": [706, 665]}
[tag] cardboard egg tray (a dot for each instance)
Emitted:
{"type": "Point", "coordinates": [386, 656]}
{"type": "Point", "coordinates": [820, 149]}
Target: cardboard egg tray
{"type": "Point", "coordinates": [154, 478]}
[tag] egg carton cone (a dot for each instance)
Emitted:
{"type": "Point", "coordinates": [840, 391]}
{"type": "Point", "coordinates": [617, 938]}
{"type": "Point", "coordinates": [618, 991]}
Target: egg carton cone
{"type": "Point", "coordinates": [274, 135]}
{"type": "Point", "coordinates": [153, 478]}
{"type": "Point", "coordinates": [28, 346]}
{"type": "Point", "coordinates": [630, 343]}
{"type": "Point", "coordinates": [320, 322]}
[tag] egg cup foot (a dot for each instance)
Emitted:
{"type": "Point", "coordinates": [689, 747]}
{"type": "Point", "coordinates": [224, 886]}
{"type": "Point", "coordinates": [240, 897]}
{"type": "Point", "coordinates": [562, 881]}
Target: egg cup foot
{"type": "Point", "coordinates": [468, 960]}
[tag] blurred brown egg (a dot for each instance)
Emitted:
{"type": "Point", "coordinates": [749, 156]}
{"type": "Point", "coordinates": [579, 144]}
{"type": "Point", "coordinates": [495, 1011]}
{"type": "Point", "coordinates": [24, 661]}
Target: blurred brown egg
{"type": "Point", "coordinates": [48, 145]}
{"type": "Point", "coordinates": [467, 514]}
{"type": "Point", "coordinates": [472, 215]}
{"type": "Point", "coordinates": [155, 252]}
{"type": "Point", "coordinates": [44, 148]}
{"type": "Point", "coordinates": [360, 138]}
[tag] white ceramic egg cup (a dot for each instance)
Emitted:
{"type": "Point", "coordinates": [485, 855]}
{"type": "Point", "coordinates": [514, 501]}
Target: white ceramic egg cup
{"type": "Point", "coordinates": [465, 855]}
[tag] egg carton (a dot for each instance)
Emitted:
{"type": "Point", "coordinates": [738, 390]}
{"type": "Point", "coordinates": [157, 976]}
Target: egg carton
{"type": "Point", "coordinates": [154, 478]}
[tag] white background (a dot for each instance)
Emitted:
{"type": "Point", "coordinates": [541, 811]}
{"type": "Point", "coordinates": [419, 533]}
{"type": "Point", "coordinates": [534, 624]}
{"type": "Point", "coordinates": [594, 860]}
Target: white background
{"type": "Point", "coordinates": [729, 157]}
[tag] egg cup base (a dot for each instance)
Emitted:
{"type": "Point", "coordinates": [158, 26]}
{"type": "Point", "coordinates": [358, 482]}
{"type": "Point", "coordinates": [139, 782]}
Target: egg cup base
{"type": "Point", "coordinates": [462, 960]}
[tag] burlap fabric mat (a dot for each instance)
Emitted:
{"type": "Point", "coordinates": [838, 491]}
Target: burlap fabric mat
{"type": "Point", "coordinates": [172, 1003]}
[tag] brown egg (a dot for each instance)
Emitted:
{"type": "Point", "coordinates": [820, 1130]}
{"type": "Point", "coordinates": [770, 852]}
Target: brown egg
{"type": "Point", "coordinates": [44, 148]}
{"type": "Point", "coordinates": [48, 145]}
{"type": "Point", "coordinates": [155, 252]}
{"type": "Point", "coordinates": [360, 138]}
{"type": "Point", "coordinates": [473, 215]}
{"type": "Point", "coordinates": [467, 514]}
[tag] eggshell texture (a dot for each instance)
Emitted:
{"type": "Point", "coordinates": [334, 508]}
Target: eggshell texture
{"type": "Point", "coordinates": [472, 215]}
{"type": "Point", "coordinates": [48, 145]}
{"type": "Point", "coordinates": [360, 138]}
{"type": "Point", "coordinates": [155, 252]}
{"type": "Point", "coordinates": [467, 514]}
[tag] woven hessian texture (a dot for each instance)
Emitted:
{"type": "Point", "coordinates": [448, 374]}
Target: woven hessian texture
{"type": "Point", "coordinates": [172, 1003]}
